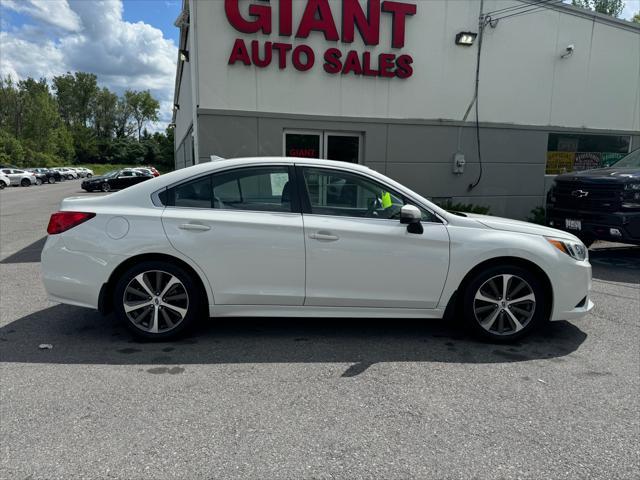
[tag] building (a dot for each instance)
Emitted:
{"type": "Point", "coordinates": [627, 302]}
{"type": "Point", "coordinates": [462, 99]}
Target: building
{"type": "Point", "coordinates": [390, 84]}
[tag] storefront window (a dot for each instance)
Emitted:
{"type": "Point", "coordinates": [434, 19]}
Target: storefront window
{"type": "Point", "coordinates": [341, 146]}
{"type": "Point", "coordinates": [305, 145]}
{"type": "Point", "coordinates": [568, 152]}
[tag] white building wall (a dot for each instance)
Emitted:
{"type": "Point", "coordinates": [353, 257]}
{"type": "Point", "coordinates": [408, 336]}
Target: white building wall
{"type": "Point", "coordinates": [184, 115]}
{"type": "Point", "coordinates": [523, 79]}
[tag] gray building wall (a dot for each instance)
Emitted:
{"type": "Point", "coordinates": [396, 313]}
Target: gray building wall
{"type": "Point", "coordinates": [413, 152]}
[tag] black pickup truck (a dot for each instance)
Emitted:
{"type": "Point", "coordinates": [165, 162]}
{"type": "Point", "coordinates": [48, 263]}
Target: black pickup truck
{"type": "Point", "coordinates": [600, 204]}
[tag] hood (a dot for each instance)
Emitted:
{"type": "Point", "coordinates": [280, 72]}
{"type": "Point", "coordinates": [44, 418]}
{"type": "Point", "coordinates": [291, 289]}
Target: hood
{"type": "Point", "coordinates": [600, 175]}
{"type": "Point", "coordinates": [510, 225]}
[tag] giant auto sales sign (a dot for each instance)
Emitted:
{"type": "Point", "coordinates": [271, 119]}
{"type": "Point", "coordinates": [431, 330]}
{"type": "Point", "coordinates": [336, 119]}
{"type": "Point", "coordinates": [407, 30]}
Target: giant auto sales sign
{"type": "Point", "coordinates": [318, 17]}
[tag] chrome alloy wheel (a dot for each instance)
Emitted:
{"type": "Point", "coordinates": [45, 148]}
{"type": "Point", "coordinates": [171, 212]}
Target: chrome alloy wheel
{"type": "Point", "coordinates": [504, 304]}
{"type": "Point", "coordinates": [155, 301]}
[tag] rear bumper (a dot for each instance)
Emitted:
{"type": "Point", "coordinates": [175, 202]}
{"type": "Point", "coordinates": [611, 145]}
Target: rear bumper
{"type": "Point", "coordinates": [74, 277]}
{"type": "Point", "coordinates": [611, 226]}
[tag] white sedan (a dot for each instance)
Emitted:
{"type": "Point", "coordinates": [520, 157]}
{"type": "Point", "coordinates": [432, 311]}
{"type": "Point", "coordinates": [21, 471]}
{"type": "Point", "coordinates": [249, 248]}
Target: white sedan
{"type": "Point", "coordinates": [304, 237]}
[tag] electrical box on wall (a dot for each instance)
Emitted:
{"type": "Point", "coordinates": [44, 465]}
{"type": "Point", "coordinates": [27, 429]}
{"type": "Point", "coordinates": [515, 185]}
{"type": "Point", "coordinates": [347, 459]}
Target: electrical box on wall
{"type": "Point", "coordinates": [458, 163]}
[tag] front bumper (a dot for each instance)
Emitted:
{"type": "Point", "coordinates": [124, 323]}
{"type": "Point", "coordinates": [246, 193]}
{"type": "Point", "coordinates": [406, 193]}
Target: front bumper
{"type": "Point", "coordinates": [611, 226]}
{"type": "Point", "coordinates": [571, 286]}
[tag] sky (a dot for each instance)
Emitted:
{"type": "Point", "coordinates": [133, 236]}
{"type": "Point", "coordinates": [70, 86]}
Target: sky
{"type": "Point", "coordinates": [128, 44]}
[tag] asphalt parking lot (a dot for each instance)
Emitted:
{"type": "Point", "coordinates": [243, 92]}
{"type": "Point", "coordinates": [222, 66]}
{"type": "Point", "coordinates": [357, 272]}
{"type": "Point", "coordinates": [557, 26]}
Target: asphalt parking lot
{"type": "Point", "coordinates": [307, 398]}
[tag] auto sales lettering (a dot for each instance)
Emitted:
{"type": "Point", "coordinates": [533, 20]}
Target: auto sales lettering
{"type": "Point", "coordinates": [318, 17]}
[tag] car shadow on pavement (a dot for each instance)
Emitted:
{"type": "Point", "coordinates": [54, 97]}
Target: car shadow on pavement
{"type": "Point", "coordinates": [616, 264]}
{"type": "Point", "coordinates": [82, 336]}
{"type": "Point", "coordinates": [29, 254]}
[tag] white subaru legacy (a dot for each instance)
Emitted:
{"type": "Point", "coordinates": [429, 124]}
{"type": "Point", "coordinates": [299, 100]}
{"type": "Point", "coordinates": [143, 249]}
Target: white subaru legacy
{"type": "Point", "coordinates": [304, 237]}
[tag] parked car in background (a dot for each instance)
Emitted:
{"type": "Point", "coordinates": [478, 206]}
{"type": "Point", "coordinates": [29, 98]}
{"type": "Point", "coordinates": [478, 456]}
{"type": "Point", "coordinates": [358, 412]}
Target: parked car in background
{"type": "Point", "coordinates": [599, 204]}
{"type": "Point", "coordinates": [4, 181]}
{"type": "Point", "coordinates": [67, 172]}
{"type": "Point", "coordinates": [155, 172]}
{"type": "Point", "coordinates": [227, 238]}
{"type": "Point", "coordinates": [115, 180]}
{"type": "Point", "coordinates": [145, 170]}
{"type": "Point", "coordinates": [87, 172]}
{"type": "Point", "coordinates": [20, 177]}
{"type": "Point", "coordinates": [47, 175]}
{"type": "Point", "coordinates": [40, 177]}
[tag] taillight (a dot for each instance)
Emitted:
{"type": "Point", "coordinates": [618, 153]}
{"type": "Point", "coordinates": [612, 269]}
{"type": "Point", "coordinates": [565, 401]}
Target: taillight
{"type": "Point", "coordinates": [63, 221]}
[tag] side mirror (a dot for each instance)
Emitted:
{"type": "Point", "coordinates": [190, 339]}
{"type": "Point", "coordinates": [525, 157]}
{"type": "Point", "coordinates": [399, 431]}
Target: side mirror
{"type": "Point", "coordinates": [411, 216]}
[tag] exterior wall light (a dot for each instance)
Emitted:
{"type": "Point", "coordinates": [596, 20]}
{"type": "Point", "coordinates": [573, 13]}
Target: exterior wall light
{"type": "Point", "coordinates": [465, 39]}
{"type": "Point", "coordinates": [184, 55]}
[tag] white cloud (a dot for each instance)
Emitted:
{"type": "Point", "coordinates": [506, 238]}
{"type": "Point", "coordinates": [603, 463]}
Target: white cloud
{"type": "Point", "coordinates": [57, 14]}
{"type": "Point", "coordinates": [122, 54]}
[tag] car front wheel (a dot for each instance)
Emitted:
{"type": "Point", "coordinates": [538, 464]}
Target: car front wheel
{"type": "Point", "coordinates": [157, 300]}
{"type": "Point", "coordinates": [25, 183]}
{"type": "Point", "coordinates": [105, 187]}
{"type": "Point", "coordinates": [504, 303]}
{"type": "Point", "coordinates": [51, 180]}
{"type": "Point", "coordinates": [2, 185]}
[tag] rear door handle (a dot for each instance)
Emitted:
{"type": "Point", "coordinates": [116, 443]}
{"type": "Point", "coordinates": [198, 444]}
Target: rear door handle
{"type": "Point", "coordinates": [195, 227]}
{"type": "Point", "coordinates": [324, 237]}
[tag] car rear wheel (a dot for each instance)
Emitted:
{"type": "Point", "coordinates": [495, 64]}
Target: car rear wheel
{"type": "Point", "coordinates": [25, 183]}
{"type": "Point", "coordinates": [51, 179]}
{"type": "Point", "coordinates": [2, 185]}
{"type": "Point", "coordinates": [504, 303]}
{"type": "Point", "coordinates": [157, 300]}
{"type": "Point", "coordinates": [38, 181]}
{"type": "Point", "coordinates": [105, 187]}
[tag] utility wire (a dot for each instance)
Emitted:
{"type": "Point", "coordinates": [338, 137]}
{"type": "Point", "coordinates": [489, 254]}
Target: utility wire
{"type": "Point", "coordinates": [526, 12]}
{"type": "Point", "coordinates": [519, 7]}
{"type": "Point", "coordinates": [481, 26]}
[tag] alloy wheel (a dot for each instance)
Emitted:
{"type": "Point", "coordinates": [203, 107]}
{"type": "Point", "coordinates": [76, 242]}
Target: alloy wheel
{"type": "Point", "coordinates": [504, 304]}
{"type": "Point", "coordinates": [155, 301]}
{"type": "Point", "coordinates": [106, 187]}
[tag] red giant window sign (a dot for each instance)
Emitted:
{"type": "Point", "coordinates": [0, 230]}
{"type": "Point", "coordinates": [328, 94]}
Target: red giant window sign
{"type": "Point", "coordinates": [317, 17]}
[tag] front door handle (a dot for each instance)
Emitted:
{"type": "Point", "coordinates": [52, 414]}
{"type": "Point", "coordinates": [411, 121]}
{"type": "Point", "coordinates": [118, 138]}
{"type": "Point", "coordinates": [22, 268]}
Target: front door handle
{"type": "Point", "coordinates": [324, 237]}
{"type": "Point", "coordinates": [195, 227]}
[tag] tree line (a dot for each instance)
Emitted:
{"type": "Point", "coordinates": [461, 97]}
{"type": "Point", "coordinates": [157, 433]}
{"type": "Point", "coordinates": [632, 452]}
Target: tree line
{"type": "Point", "coordinates": [71, 120]}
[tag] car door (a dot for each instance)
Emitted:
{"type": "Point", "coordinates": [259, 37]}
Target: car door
{"type": "Point", "coordinates": [358, 254]}
{"type": "Point", "coordinates": [243, 227]}
{"type": "Point", "coordinates": [122, 180]}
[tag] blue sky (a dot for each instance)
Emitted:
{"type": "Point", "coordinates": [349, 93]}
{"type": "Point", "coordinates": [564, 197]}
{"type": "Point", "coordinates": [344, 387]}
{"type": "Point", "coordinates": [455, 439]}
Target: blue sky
{"type": "Point", "coordinates": [159, 13]}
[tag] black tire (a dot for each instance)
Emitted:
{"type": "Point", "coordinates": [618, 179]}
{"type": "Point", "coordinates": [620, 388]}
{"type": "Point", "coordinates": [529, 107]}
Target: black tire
{"type": "Point", "coordinates": [2, 185]}
{"type": "Point", "coordinates": [194, 306]}
{"type": "Point", "coordinates": [51, 179]}
{"type": "Point", "coordinates": [69, 177]}
{"type": "Point", "coordinates": [38, 181]}
{"type": "Point", "coordinates": [25, 183]}
{"type": "Point", "coordinates": [105, 187]}
{"type": "Point", "coordinates": [538, 313]}
{"type": "Point", "coordinates": [89, 175]}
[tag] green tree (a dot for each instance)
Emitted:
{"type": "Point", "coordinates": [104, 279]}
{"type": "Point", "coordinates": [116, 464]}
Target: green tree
{"type": "Point", "coordinates": [105, 113]}
{"type": "Point", "coordinates": [76, 94]}
{"type": "Point", "coordinates": [636, 18]}
{"type": "Point", "coordinates": [144, 108]}
{"type": "Point", "coordinates": [608, 7]}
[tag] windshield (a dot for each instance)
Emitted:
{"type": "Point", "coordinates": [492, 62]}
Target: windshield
{"type": "Point", "coordinates": [111, 173]}
{"type": "Point", "coordinates": [630, 161]}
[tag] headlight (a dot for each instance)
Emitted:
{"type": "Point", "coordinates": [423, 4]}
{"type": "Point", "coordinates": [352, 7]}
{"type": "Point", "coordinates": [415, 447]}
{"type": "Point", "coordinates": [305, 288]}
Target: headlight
{"type": "Point", "coordinates": [574, 249]}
